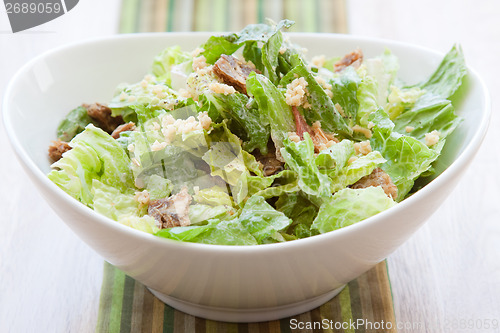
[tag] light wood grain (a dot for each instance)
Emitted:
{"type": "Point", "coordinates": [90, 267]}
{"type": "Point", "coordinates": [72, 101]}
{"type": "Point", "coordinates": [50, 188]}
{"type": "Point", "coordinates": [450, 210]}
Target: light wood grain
{"type": "Point", "coordinates": [447, 272]}
{"type": "Point", "coordinates": [49, 279]}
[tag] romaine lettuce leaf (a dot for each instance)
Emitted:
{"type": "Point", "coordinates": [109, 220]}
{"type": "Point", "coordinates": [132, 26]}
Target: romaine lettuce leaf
{"type": "Point", "coordinates": [95, 155]}
{"type": "Point", "coordinates": [448, 76]}
{"type": "Point", "coordinates": [113, 203]}
{"type": "Point", "coordinates": [200, 213]}
{"type": "Point", "coordinates": [300, 210]}
{"type": "Point", "coordinates": [334, 163]}
{"type": "Point", "coordinates": [167, 58]}
{"type": "Point", "coordinates": [350, 206]}
{"type": "Point", "coordinates": [74, 122]}
{"type": "Point", "coordinates": [262, 220]}
{"type": "Point", "coordinates": [401, 100]}
{"type": "Point", "coordinates": [244, 120]}
{"type": "Point", "coordinates": [322, 108]}
{"type": "Point", "coordinates": [225, 232]}
{"type": "Point", "coordinates": [228, 44]}
{"type": "Point", "coordinates": [406, 158]}
{"type": "Point", "coordinates": [272, 107]}
{"type": "Point", "coordinates": [428, 114]}
{"type": "Point", "coordinates": [344, 90]}
{"type": "Point", "coordinates": [213, 196]}
{"type": "Point", "coordinates": [299, 157]}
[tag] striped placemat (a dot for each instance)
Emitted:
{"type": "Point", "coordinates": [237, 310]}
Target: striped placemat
{"type": "Point", "coordinates": [127, 306]}
{"type": "Point", "coordinates": [231, 15]}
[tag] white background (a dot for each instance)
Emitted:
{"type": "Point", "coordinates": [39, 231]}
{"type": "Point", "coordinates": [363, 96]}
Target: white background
{"type": "Point", "coordinates": [446, 274]}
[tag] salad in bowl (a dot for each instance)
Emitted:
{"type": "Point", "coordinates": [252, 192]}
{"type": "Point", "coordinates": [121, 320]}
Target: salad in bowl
{"type": "Point", "coordinates": [248, 139]}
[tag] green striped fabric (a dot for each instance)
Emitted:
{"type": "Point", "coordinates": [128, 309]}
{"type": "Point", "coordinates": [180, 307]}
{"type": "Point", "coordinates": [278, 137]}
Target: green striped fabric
{"type": "Point", "coordinates": [230, 15]}
{"type": "Point", "coordinates": [127, 306]}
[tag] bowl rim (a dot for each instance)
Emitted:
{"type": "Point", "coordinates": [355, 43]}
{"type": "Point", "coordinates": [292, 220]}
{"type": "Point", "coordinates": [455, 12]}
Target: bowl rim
{"type": "Point", "coordinates": [451, 171]}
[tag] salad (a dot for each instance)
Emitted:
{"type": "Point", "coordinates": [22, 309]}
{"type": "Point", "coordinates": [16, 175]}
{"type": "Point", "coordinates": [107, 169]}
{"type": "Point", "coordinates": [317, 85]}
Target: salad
{"type": "Point", "coordinates": [246, 140]}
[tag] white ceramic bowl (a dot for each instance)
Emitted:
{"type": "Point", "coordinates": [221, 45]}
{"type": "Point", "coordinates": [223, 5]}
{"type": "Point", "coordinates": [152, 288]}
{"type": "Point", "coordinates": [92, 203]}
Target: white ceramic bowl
{"type": "Point", "coordinates": [230, 283]}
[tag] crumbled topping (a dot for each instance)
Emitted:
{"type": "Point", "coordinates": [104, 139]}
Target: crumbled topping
{"type": "Point", "coordinates": [156, 146]}
{"type": "Point", "coordinates": [144, 84]}
{"type": "Point", "coordinates": [169, 132]}
{"type": "Point", "coordinates": [205, 120]}
{"type": "Point", "coordinates": [136, 162]}
{"type": "Point", "coordinates": [123, 96]}
{"type": "Point", "coordinates": [184, 93]}
{"type": "Point", "coordinates": [131, 147]}
{"type": "Point", "coordinates": [432, 138]}
{"type": "Point", "coordinates": [326, 86]}
{"type": "Point", "coordinates": [131, 99]}
{"type": "Point", "coordinates": [409, 129]}
{"type": "Point", "coordinates": [167, 120]}
{"type": "Point", "coordinates": [363, 147]}
{"type": "Point", "coordinates": [365, 131]}
{"type": "Point", "coordinates": [319, 61]}
{"type": "Point", "coordinates": [197, 51]}
{"type": "Point", "coordinates": [293, 137]}
{"type": "Point", "coordinates": [352, 159]}
{"type": "Point", "coordinates": [221, 88]}
{"type": "Point", "coordinates": [370, 125]}
{"type": "Point", "coordinates": [282, 49]}
{"type": "Point", "coordinates": [199, 63]}
{"type": "Point", "coordinates": [296, 92]}
{"type": "Point", "coordinates": [142, 198]}
{"type": "Point", "coordinates": [340, 110]}
{"type": "Point", "coordinates": [139, 183]}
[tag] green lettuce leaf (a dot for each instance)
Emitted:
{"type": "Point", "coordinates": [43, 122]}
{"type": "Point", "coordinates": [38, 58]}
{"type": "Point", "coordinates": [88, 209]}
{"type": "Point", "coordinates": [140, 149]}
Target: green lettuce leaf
{"type": "Point", "coordinates": [228, 44]}
{"type": "Point", "coordinates": [406, 158]}
{"type": "Point", "coordinates": [344, 90]}
{"type": "Point", "coordinates": [299, 157]}
{"type": "Point", "coordinates": [402, 99]}
{"type": "Point", "coordinates": [300, 210]}
{"type": "Point", "coordinates": [262, 220]}
{"type": "Point", "coordinates": [350, 206]}
{"type": "Point", "coordinates": [429, 113]}
{"type": "Point", "coordinates": [225, 232]}
{"type": "Point", "coordinates": [74, 122]}
{"type": "Point", "coordinates": [334, 162]}
{"type": "Point", "coordinates": [213, 196]}
{"type": "Point", "coordinates": [322, 108]}
{"type": "Point", "coordinates": [95, 155]}
{"type": "Point", "coordinates": [163, 62]}
{"type": "Point", "coordinates": [272, 107]}
{"type": "Point", "coordinates": [113, 203]}
{"type": "Point", "coordinates": [200, 213]}
{"type": "Point", "coordinates": [448, 76]}
{"type": "Point", "coordinates": [244, 120]}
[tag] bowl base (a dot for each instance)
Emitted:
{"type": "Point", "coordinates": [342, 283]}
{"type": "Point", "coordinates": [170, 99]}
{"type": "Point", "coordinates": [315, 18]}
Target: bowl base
{"type": "Point", "coordinates": [246, 315]}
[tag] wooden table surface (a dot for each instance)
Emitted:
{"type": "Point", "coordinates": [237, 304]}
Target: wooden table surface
{"type": "Point", "coordinates": [446, 278]}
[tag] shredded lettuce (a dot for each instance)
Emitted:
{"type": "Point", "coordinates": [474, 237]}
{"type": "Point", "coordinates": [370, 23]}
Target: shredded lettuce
{"type": "Point", "coordinates": [220, 147]}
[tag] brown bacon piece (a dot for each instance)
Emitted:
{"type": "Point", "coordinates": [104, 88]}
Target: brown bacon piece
{"type": "Point", "coordinates": [122, 128]}
{"type": "Point", "coordinates": [233, 72]}
{"type": "Point", "coordinates": [102, 115]}
{"type": "Point", "coordinates": [172, 211]}
{"type": "Point", "coordinates": [378, 177]}
{"type": "Point", "coordinates": [355, 58]}
{"type": "Point", "coordinates": [319, 138]}
{"type": "Point", "coordinates": [57, 148]}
